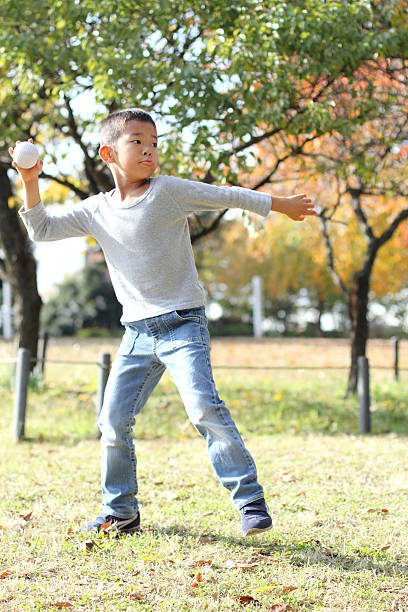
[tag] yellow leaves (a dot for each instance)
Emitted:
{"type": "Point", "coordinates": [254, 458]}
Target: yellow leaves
{"type": "Point", "coordinates": [11, 202]}
{"type": "Point", "coordinates": [55, 194]}
{"type": "Point", "coordinates": [91, 241]}
{"type": "Point", "coordinates": [275, 587]}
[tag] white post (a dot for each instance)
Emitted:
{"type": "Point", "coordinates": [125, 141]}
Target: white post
{"type": "Point", "coordinates": [7, 312]}
{"type": "Point", "coordinates": [257, 305]}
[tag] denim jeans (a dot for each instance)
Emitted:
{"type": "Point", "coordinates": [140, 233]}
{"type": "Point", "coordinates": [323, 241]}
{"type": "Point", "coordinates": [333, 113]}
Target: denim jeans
{"type": "Point", "coordinates": [179, 341]}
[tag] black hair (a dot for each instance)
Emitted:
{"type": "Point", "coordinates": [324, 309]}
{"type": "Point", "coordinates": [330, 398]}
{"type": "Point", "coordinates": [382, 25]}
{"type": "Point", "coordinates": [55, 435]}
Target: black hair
{"type": "Point", "coordinates": [114, 124]}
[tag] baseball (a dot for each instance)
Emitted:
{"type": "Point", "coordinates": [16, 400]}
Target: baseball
{"type": "Point", "coordinates": [25, 155]}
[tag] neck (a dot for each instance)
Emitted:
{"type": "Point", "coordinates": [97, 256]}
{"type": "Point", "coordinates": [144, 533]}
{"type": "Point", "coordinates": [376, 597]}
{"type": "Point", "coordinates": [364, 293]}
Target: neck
{"type": "Point", "coordinates": [126, 189]}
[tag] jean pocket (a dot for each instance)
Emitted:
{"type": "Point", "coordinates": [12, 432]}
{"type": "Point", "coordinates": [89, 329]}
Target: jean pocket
{"type": "Point", "coordinates": [128, 341]}
{"type": "Point", "coordinates": [190, 314]}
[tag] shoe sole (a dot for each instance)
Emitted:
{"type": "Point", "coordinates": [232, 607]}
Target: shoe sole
{"type": "Point", "coordinates": [255, 531]}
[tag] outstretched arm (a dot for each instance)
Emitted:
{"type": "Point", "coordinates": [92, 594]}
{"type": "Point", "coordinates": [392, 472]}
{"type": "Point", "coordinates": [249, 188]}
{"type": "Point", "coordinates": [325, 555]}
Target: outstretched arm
{"type": "Point", "coordinates": [297, 207]}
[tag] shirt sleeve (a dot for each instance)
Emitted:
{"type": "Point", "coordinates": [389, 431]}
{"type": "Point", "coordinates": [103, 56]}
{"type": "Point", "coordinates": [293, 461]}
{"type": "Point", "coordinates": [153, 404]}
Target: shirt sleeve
{"type": "Point", "coordinates": [193, 196]}
{"type": "Point", "coordinates": [70, 221]}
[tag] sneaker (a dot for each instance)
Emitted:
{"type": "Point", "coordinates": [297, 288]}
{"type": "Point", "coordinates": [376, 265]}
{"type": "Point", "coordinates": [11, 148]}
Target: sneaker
{"type": "Point", "coordinates": [255, 517]}
{"type": "Point", "coordinates": [110, 523]}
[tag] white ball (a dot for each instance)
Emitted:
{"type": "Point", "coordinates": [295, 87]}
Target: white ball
{"type": "Point", "coordinates": [25, 154]}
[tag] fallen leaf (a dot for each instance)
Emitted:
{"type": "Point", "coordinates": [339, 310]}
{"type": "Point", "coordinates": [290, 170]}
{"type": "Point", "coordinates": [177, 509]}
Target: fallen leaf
{"type": "Point", "coordinates": [202, 562]}
{"type": "Point", "coordinates": [329, 551]}
{"type": "Point", "coordinates": [241, 564]}
{"type": "Point", "coordinates": [26, 517]}
{"type": "Point", "coordinates": [5, 574]}
{"type": "Point", "coordinates": [207, 539]}
{"type": "Point", "coordinates": [69, 530]}
{"type": "Point", "coordinates": [280, 608]}
{"type": "Point", "coordinates": [198, 578]}
{"type": "Point", "coordinates": [62, 604]}
{"type": "Point", "coordinates": [88, 545]}
{"type": "Point", "coordinates": [377, 511]}
{"type": "Point", "coordinates": [385, 548]}
{"type": "Point", "coordinates": [245, 599]}
{"type": "Point", "coordinates": [138, 596]}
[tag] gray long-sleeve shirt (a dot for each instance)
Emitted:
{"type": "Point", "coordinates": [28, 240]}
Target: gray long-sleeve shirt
{"type": "Point", "coordinates": [146, 243]}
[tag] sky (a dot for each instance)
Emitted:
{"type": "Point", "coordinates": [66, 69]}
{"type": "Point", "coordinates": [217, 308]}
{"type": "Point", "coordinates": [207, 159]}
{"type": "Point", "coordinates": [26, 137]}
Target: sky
{"type": "Point", "coordinates": [57, 260]}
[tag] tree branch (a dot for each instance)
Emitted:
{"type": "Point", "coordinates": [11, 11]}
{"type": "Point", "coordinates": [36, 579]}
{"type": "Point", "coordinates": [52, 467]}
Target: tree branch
{"type": "Point", "coordinates": [66, 183]}
{"type": "Point", "coordinates": [330, 254]}
{"type": "Point", "coordinates": [358, 211]}
{"type": "Point", "coordinates": [95, 177]}
{"type": "Point", "coordinates": [210, 228]}
{"type": "Point", "coordinates": [388, 233]}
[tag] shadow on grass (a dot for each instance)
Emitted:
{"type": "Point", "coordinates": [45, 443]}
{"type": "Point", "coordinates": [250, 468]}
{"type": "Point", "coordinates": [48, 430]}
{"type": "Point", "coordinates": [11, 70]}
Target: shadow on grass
{"type": "Point", "coordinates": [67, 440]}
{"type": "Point", "coordinates": [296, 553]}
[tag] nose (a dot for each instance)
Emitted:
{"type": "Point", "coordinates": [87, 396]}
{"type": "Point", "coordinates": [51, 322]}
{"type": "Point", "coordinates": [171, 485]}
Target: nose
{"type": "Point", "coordinates": [147, 150]}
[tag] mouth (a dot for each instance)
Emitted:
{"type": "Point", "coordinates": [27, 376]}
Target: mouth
{"type": "Point", "coordinates": [148, 162]}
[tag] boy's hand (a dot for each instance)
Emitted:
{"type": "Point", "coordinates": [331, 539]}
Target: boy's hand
{"type": "Point", "coordinates": [296, 207]}
{"type": "Point", "coordinates": [28, 175]}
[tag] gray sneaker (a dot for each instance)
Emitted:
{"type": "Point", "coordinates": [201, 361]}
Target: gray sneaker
{"type": "Point", "coordinates": [110, 524]}
{"type": "Point", "coordinates": [255, 517]}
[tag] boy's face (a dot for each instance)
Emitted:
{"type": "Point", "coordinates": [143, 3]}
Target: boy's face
{"type": "Point", "coordinates": [135, 154]}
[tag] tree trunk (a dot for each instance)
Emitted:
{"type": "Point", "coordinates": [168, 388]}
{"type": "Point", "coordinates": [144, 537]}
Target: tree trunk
{"type": "Point", "coordinates": [19, 268]}
{"type": "Point", "coordinates": [320, 309]}
{"type": "Point", "coordinates": [358, 306]}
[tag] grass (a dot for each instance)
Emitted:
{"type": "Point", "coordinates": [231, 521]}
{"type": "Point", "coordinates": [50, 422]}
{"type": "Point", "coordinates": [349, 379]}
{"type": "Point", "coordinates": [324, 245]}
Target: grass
{"type": "Point", "coordinates": [338, 499]}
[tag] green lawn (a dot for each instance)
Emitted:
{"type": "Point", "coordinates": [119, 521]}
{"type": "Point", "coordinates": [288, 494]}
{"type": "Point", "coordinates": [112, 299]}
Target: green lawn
{"type": "Point", "coordinates": [338, 500]}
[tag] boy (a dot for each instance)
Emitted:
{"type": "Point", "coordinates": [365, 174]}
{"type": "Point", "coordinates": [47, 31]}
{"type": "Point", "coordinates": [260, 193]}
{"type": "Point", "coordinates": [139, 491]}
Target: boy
{"type": "Point", "coordinates": [142, 228]}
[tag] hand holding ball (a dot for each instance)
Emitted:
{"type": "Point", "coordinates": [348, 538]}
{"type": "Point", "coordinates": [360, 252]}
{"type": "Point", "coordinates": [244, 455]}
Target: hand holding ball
{"type": "Point", "coordinates": [25, 155]}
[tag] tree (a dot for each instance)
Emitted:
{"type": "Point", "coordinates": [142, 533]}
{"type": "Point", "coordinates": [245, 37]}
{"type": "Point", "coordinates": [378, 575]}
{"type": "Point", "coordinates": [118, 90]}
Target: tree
{"type": "Point", "coordinates": [288, 256]}
{"type": "Point", "coordinates": [372, 189]}
{"type": "Point", "coordinates": [223, 77]}
{"type": "Point", "coordinates": [83, 302]}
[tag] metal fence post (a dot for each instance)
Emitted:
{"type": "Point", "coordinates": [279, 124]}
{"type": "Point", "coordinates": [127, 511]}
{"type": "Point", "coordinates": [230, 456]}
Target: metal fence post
{"type": "Point", "coordinates": [363, 386]}
{"type": "Point", "coordinates": [42, 349]}
{"type": "Point", "coordinates": [395, 342]}
{"type": "Point", "coordinates": [104, 364]}
{"type": "Point", "coordinates": [20, 402]}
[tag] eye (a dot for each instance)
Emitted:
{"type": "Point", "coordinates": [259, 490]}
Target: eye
{"type": "Point", "coordinates": [155, 145]}
{"type": "Point", "coordinates": [137, 141]}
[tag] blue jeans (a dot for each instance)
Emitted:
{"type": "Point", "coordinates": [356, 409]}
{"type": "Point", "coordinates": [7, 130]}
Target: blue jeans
{"type": "Point", "coordinates": [179, 341]}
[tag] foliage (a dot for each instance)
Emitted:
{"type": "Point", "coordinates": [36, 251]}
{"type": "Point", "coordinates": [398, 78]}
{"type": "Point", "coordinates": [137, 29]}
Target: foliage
{"type": "Point", "coordinates": [234, 75]}
{"type": "Point", "coordinates": [84, 301]}
{"type": "Point", "coordinates": [288, 257]}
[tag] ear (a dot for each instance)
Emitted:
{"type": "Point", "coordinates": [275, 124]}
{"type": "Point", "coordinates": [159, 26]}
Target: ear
{"type": "Point", "coordinates": [105, 154]}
